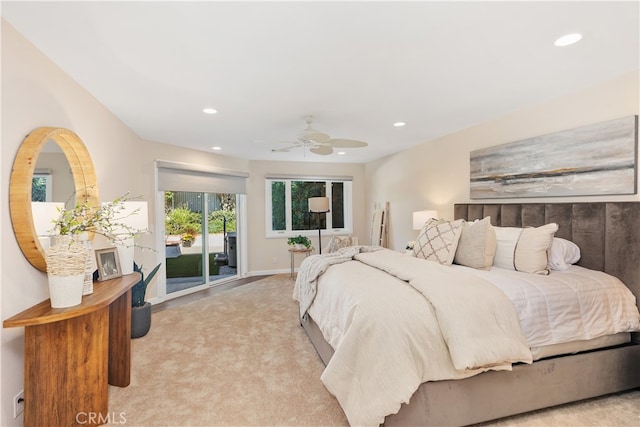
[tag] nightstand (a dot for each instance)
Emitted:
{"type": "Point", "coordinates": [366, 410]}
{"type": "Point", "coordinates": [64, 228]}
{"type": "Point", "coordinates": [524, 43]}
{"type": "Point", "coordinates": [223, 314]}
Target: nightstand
{"type": "Point", "coordinates": [293, 252]}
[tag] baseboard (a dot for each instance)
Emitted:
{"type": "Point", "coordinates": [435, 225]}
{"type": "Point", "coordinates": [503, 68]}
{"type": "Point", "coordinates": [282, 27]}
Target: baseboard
{"type": "Point", "coordinates": [269, 272]}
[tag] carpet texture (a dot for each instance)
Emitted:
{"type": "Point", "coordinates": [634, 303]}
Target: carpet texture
{"type": "Point", "coordinates": [240, 358]}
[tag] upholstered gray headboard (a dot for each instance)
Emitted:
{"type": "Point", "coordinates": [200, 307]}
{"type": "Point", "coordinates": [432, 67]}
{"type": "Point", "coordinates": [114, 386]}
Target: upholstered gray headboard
{"type": "Point", "coordinates": [608, 233]}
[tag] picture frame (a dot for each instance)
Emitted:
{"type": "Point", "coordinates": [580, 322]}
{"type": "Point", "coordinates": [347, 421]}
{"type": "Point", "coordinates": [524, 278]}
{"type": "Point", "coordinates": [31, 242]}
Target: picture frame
{"type": "Point", "coordinates": [108, 264]}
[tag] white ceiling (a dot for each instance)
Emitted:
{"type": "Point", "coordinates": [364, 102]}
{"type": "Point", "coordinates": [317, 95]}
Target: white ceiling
{"type": "Point", "coordinates": [358, 67]}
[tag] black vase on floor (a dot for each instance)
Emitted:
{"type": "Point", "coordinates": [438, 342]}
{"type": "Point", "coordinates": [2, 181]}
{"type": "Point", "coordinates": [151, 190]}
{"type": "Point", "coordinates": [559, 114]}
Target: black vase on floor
{"type": "Point", "coordinates": [140, 320]}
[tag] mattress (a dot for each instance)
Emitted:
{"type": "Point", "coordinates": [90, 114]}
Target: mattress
{"type": "Point", "coordinates": [574, 347]}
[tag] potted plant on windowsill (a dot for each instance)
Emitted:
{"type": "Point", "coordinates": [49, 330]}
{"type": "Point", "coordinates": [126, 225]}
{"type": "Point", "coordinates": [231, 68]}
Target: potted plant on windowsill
{"type": "Point", "coordinates": [299, 242]}
{"type": "Point", "coordinates": [141, 309]}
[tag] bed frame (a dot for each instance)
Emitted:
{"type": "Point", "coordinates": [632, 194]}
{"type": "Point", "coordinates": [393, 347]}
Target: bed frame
{"type": "Point", "coordinates": [608, 234]}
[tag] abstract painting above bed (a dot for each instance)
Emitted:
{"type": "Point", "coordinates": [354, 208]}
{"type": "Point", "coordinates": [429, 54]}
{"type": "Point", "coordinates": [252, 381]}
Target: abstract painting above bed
{"type": "Point", "coordinates": [596, 159]}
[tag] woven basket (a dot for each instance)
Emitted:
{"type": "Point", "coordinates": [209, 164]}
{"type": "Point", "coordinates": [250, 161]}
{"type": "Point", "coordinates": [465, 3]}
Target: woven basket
{"type": "Point", "coordinates": [66, 263]}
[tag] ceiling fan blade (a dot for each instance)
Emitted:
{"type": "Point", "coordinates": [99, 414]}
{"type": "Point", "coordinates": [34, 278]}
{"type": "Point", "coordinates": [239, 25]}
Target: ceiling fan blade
{"type": "Point", "coordinates": [281, 150]}
{"type": "Point", "coordinates": [322, 150]}
{"type": "Point", "coordinates": [314, 136]}
{"type": "Point", "coordinates": [347, 143]}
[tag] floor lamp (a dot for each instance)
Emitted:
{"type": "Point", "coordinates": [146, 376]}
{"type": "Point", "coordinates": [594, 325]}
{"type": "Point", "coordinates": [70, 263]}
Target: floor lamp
{"type": "Point", "coordinates": [319, 205]}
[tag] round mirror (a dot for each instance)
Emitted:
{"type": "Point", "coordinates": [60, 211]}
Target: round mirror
{"type": "Point", "coordinates": [22, 178]}
{"type": "Point", "coordinates": [52, 179]}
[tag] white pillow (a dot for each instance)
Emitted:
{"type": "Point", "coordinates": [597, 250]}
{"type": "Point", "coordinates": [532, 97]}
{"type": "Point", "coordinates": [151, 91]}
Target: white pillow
{"type": "Point", "coordinates": [438, 240]}
{"type": "Point", "coordinates": [477, 244]}
{"type": "Point", "coordinates": [524, 249]}
{"type": "Point", "coordinates": [506, 241]}
{"type": "Point", "coordinates": [563, 252]}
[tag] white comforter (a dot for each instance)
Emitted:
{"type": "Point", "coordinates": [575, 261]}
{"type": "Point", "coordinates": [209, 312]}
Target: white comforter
{"type": "Point", "coordinates": [313, 266]}
{"type": "Point", "coordinates": [423, 325]}
{"type": "Point", "coordinates": [577, 304]}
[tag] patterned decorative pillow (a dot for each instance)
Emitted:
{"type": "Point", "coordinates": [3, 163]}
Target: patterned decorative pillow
{"type": "Point", "coordinates": [438, 240]}
{"type": "Point", "coordinates": [339, 242]}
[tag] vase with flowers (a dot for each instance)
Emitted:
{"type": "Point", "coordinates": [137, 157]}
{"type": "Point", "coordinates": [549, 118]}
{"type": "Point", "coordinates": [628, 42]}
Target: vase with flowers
{"type": "Point", "coordinates": [187, 239]}
{"type": "Point", "coordinates": [66, 268]}
{"type": "Point", "coordinates": [74, 229]}
{"type": "Point", "coordinates": [409, 248]}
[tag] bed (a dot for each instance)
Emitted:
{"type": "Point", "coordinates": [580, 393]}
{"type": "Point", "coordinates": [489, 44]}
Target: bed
{"type": "Point", "coordinates": [608, 234]}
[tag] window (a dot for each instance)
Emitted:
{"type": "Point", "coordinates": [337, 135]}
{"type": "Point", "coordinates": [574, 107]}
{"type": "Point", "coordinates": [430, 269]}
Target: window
{"type": "Point", "coordinates": [287, 205]}
{"type": "Point", "coordinates": [42, 186]}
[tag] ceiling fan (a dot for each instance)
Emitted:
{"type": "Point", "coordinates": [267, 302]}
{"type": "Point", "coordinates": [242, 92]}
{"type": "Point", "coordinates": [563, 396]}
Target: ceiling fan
{"type": "Point", "coordinates": [318, 142]}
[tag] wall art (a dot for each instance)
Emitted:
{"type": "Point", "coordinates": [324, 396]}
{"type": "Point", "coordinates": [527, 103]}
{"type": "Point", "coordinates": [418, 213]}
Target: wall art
{"type": "Point", "coordinates": [590, 160]}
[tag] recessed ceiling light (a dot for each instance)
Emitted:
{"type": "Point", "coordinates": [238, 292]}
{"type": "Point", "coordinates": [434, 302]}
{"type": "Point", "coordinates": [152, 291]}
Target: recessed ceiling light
{"type": "Point", "coordinates": [568, 39]}
{"type": "Point", "coordinates": [341, 153]}
{"type": "Point", "coordinates": [209, 111]}
{"type": "Point", "coordinates": [216, 148]}
{"type": "Point", "coordinates": [399, 124]}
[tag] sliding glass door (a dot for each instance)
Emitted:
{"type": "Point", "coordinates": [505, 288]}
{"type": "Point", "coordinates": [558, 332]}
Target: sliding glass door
{"type": "Point", "coordinates": [201, 244]}
{"type": "Point", "coordinates": [199, 206]}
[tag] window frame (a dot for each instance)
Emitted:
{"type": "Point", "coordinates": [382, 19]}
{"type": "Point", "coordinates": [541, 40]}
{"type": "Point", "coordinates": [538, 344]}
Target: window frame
{"type": "Point", "coordinates": [329, 229]}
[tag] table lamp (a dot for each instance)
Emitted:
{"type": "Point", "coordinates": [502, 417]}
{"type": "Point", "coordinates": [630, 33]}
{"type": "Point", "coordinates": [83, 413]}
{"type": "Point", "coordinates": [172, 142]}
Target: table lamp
{"type": "Point", "coordinates": [420, 217]}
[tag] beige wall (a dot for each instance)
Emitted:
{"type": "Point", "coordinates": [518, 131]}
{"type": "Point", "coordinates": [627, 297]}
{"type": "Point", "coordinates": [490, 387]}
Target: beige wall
{"type": "Point", "coordinates": [435, 175]}
{"type": "Point", "coordinates": [266, 255]}
{"type": "Point", "coordinates": [36, 93]}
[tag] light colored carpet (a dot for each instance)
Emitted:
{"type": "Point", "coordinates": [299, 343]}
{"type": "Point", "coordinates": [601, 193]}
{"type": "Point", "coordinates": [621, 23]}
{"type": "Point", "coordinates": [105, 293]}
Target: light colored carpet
{"type": "Point", "coordinates": [240, 358]}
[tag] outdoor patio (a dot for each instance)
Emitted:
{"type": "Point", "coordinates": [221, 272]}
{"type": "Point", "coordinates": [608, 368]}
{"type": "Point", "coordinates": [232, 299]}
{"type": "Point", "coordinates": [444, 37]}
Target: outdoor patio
{"type": "Point", "coordinates": [191, 275]}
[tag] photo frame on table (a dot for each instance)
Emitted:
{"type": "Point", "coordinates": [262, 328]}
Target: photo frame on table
{"type": "Point", "coordinates": [108, 264]}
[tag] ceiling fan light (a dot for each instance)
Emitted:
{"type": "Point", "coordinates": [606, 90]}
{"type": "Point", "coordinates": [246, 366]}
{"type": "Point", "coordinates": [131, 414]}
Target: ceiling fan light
{"type": "Point", "coordinates": [323, 150]}
{"type": "Point", "coordinates": [314, 136]}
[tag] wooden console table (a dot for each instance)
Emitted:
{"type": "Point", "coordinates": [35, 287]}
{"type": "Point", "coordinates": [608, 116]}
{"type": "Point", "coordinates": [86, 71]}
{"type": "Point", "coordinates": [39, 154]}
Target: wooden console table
{"type": "Point", "coordinates": [72, 354]}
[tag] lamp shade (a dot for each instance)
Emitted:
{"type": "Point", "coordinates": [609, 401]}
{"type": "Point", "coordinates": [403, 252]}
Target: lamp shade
{"type": "Point", "coordinates": [420, 217]}
{"type": "Point", "coordinates": [318, 204]}
{"type": "Point", "coordinates": [135, 215]}
{"type": "Point", "coordinates": [44, 214]}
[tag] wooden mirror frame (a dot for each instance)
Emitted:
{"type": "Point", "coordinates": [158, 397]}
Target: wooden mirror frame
{"type": "Point", "coordinates": [20, 187]}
